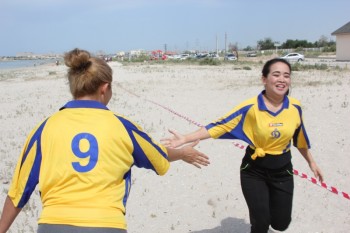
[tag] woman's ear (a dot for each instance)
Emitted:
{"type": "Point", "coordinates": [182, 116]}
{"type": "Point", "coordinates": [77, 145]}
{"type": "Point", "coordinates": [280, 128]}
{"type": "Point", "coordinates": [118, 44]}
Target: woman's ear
{"type": "Point", "coordinates": [104, 88]}
{"type": "Point", "coordinates": [263, 80]}
{"type": "Point", "coordinates": [105, 93]}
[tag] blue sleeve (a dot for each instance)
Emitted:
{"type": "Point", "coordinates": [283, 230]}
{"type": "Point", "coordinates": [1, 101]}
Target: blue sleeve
{"type": "Point", "coordinates": [144, 148]}
{"type": "Point", "coordinates": [33, 178]}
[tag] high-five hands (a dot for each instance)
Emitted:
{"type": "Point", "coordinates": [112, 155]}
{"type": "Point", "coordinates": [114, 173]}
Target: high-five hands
{"type": "Point", "coordinates": [175, 141]}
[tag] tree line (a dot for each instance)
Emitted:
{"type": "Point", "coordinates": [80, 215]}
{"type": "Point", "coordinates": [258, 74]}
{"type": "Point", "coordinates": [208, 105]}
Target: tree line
{"type": "Point", "coordinates": [268, 44]}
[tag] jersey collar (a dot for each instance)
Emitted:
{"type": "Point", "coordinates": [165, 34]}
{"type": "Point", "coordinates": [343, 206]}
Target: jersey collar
{"type": "Point", "coordinates": [84, 104]}
{"type": "Point", "coordinates": [263, 107]}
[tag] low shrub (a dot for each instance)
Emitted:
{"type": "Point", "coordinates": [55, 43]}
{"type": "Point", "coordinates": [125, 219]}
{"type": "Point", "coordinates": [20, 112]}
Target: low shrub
{"type": "Point", "coordinates": [209, 61]}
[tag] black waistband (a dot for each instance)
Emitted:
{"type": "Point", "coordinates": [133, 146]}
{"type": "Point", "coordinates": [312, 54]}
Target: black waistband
{"type": "Point", "coordinates": [269, 161]}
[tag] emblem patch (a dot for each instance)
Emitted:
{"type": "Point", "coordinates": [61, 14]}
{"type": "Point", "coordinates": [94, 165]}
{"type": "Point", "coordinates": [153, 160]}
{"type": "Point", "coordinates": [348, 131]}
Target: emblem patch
{"type": "Point", "coordinates": [275, 134]}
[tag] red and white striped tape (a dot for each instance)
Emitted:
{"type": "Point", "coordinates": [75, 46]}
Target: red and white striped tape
{"type": "Point", "coordinates": [296, 172]}
{"type": "Point", "coordinates": [322, 184]}
{"type": "Point", "coordinates": [311, 179]}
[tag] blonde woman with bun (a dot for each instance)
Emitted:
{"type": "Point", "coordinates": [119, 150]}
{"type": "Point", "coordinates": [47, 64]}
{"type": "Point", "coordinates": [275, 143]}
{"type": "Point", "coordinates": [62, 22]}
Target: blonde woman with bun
{"type": "Point", "coordinates": [81, 158]}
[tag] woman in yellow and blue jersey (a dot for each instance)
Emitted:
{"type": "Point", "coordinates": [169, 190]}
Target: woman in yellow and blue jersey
{"type": "Point", "coordinates": [269, 123]}
{"type": "Point", "coordinates": [81, 158]}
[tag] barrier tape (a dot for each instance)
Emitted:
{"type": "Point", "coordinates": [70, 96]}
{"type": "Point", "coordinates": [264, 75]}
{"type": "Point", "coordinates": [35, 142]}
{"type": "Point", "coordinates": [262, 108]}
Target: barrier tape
{"type": "Point", "coordinates": [236, 144]}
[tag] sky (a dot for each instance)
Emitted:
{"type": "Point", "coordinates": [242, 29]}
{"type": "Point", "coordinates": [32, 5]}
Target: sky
{"type": "Point", "coordinates": [110, 26]}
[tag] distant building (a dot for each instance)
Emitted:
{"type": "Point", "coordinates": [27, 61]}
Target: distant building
{"type": "Point", "coordinates": [343, 42]}
{"type": "Point", "coordinates": [121, 54]}
{"type": "Point", "coordinates": [137, 53]}
{"type": "Point", "coordinates": [26, 54]}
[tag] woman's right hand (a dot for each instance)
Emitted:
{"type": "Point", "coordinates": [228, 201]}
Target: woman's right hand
{"type": "Point", "coordinates": [175, 141]}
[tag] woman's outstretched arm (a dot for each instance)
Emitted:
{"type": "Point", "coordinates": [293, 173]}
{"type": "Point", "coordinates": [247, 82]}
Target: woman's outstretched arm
{"type": "Point", "coordinates": [179, 139]}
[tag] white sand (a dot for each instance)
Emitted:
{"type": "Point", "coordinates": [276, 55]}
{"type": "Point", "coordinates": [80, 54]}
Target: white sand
{"type": "Point", "coordinates": [187, 199]}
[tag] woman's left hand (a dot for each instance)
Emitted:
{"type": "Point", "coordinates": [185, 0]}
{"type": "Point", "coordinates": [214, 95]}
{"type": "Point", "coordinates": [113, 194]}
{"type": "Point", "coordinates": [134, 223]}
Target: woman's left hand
{"type": "Point", "coordinates": [317, 171]}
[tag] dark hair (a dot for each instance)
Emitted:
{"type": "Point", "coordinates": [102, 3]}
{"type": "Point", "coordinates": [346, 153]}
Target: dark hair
{"type": "Point", "coordinates": [86, 73]}
{"type": "Point", "coordinates": [266, 69]}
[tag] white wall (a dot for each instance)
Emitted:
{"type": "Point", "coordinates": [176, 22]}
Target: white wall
{"type": "Point", "coordinates": [343, 47]}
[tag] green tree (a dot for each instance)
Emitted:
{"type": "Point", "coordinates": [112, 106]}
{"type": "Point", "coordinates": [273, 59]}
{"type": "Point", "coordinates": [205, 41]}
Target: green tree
{"type": "Point", "coordinates": [322, 42]}
{"type": "Point", "coordinates": [248, 48]}
{"type": "Point", "coordinates": [292, 44]}
{"type": "Point", "coordinates": [267, 43]}
{"type": "Point", "coordinates": [232, 47]}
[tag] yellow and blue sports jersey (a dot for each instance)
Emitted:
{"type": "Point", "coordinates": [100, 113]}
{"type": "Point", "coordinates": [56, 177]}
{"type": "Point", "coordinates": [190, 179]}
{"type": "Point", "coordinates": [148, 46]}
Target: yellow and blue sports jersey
{"type": "Point", "coordinates": [81, 159]}
{"type": "Point", "coordinates": [266, 132]}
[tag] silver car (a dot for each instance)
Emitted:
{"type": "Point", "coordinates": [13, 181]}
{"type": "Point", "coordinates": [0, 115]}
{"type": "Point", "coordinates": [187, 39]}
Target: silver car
{"type": "Point", "coordinates": [230, 57]}
{"type": "Point", "coordinates": [294, 57]}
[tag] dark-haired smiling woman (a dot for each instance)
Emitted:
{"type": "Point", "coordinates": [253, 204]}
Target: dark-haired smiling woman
{"type": "Point", "coordinates": [269, 123]}
{"type": "Point", "coordinates": [81, 158]}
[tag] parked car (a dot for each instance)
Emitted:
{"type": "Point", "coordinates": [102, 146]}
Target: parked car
{"type": "Point", "coordinates": [184, 56]}
{"type": "Point", "coordinates": [251, 54]}
{"type": "Point", "coordinates": [294, 57]}
{"type": "Point", "coordinates": [230, 57]}
{"type": "Point", "coordinates": [202, 55]}
{"type": "Point", "coordinates": [155, 58]}
{"type": "Point", "coordinates": [169, 56]}
{"type": "Point", "coordinates": [174, 56]}
{"type": "Point", "coordinates": [214, 56]}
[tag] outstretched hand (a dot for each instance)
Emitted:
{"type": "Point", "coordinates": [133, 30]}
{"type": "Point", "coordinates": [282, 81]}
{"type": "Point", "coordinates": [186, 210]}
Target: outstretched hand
{"type": "Point", "coordinates": [194, 157]}
{"type": "Point", "coordinates": [175, 141]}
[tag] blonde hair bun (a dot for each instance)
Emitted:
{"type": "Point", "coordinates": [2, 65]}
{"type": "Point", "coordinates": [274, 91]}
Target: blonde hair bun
{"type": "Point", "coordinates": [77, 59]}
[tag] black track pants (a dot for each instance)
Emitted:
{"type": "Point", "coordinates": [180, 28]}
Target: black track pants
{"type": "Point", "coordinates": [269, 196]}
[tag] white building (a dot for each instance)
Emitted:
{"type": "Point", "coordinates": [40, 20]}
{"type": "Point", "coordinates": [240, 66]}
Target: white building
{"type": "Point", "coordinates": [343, 42]}
{"type": "Point", "coordinates": [137, 53]}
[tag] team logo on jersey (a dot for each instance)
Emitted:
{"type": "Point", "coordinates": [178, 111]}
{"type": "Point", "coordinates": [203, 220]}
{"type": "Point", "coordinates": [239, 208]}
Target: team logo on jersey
{"type": "Point", "coordinates": [275, 124]}
{"type": "Point", "coordinates": [275, 134]}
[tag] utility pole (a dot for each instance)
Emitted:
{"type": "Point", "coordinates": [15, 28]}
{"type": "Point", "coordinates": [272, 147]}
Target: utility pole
{"type": "Point", "coordinates": [225, 43]}
{"type": "Point", "coordinates": [217, 45]}
{"type": "Point", "coordinates": [277, 44]}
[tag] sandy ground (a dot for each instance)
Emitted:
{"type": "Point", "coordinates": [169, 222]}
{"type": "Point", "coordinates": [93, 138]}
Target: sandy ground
{"type": "Point", "coordinates": [187, 199]}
